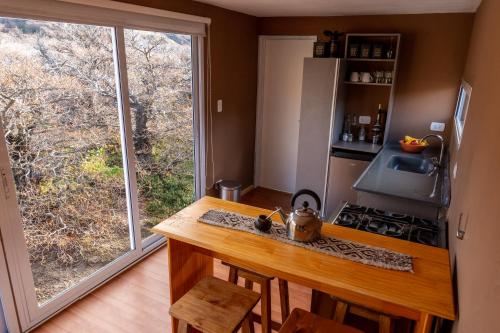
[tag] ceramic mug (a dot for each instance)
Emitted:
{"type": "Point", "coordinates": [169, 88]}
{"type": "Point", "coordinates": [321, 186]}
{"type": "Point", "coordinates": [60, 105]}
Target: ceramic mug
{"type": "Point", "coordinates": [388, 77]}
{"type": "Point", "coordinates": [379, 77]}
{"type": "Point", "coordinates": [354, 77]}
{"type": "Point", "coordinates": [366, 77]}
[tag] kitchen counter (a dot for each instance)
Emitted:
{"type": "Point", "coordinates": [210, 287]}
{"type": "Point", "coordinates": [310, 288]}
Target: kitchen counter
{"type": "Point", "coordinates": [357, 146]}
{"type": "Point", "coordinates": [378, 178]}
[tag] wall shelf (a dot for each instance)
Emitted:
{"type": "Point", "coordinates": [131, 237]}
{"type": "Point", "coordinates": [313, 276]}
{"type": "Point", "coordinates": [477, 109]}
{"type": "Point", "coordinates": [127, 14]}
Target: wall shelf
{"type": "Point", "coordinates": [365, 101]}
{"type": "Point", "coordinates": [370, 60]}
{"type": "Point", "coordinates": [369, 84]}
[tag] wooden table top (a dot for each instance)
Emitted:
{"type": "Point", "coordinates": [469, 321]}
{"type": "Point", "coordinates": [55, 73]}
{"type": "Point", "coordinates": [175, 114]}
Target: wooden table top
{"type": "Point", "coordinates": [427, 290]}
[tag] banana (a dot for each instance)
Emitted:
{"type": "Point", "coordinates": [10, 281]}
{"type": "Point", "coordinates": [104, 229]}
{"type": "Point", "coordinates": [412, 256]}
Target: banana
{"type": "Point", "coordinates": [414, 141]}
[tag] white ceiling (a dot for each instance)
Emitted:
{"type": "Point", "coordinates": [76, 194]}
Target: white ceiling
{"type": "Point", "coordinates": [267, 8]}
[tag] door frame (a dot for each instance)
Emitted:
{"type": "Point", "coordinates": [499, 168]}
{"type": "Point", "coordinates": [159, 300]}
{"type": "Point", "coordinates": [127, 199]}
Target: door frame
{"type": "Point", "coordinates": [21, 313]}
{"type": "Point", "coordinates": [6, 294]}
{"type": "Point", "coordinates": [261, 69]}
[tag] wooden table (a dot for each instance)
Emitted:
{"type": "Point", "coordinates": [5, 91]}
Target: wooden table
{"type": "Point", "coordinates": [419, 296]}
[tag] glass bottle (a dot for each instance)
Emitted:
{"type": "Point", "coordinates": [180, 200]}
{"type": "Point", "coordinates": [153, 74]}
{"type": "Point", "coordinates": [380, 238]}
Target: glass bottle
{"type": "Point", "coordinates": [377, 128]}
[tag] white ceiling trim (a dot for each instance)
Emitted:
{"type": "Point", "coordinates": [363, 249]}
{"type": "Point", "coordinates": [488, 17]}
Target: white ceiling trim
{"type": "Point", "coordinates": [284, 8]}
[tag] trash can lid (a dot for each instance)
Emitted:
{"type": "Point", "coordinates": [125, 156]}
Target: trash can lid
{"type": "Point", "coordinates": [229, 184]}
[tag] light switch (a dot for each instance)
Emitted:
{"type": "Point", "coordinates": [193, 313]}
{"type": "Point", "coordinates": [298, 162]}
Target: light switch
{"type": "Point", "coordinates": [219, 105]}
{"type": "Point", "coordinates": [437, 127]}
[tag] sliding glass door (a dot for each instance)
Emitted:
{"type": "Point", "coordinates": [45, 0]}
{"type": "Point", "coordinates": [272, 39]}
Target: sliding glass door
{"type": "Point", "coordinates": [62, 131]}
{"type": "Point", "coordinates": [159, 71]}
{"type": "Point", "coordinates": [100, 143]}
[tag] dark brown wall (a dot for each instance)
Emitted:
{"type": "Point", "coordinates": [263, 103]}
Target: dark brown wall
{"type": "Point", "coordinates": [475, 192]}
{"type": "Point", "coordinates": [234, 80]}
{"type": "Point", "coordinates": [433, 54]}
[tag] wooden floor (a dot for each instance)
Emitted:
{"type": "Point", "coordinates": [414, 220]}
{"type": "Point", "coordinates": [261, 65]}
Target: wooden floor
{"type": "Point", "coordinates": [266, 198]}
{"type": "Point", "coordinates": [138, 300]}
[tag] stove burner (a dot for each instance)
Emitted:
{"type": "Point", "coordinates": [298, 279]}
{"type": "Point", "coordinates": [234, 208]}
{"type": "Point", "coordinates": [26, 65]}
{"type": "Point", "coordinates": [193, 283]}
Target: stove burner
{"type": "Point", "coordinates": [385, 227]}
{"type": "Point", "coordinates": [427, 237]}
{"type": "Point", "coordinates": [354, 208]}
{"type": "Point", "coordinates": [392, 224]}
{"type": "Point", "coordinates": [347, 219]}
{"type": "Point", "coordinates": [398, 216]}
{"type": "Point", "coordinates": [425, 223]}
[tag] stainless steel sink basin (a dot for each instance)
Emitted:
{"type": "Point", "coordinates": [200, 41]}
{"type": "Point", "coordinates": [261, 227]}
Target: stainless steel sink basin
{"type": "Point", "coordinates": [410, 164]}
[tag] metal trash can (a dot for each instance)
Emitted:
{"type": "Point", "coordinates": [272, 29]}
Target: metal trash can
{"type": "Point", "coordinates": [229, 190]}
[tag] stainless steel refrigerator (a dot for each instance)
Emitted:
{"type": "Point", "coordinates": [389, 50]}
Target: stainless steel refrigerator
{"type": "Point", "coordinates": [321, 121]}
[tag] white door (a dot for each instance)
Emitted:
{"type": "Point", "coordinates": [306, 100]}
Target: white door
{"type": "Point", "coordinates": [281, 60]}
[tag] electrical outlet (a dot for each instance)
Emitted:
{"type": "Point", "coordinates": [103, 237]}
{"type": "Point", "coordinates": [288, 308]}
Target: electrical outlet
{"type": "Point", "coordinates": [437, 127]}
{"type": "Point", "coordinates": [219, 105]}
{"type": "Point", "coordinates": [364, 120]}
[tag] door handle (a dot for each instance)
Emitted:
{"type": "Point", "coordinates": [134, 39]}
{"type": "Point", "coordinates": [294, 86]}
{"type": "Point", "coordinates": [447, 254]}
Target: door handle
{"type": "Point", "coordinates": [460, 231]}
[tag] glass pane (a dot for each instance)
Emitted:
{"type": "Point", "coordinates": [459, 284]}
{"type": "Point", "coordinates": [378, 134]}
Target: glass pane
{"type": "Point", "coordinates": [61, 123]}
{"type": "Point", "coordinates": [159, 73]}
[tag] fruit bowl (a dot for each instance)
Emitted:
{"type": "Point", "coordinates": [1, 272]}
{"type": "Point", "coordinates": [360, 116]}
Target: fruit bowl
{"type": "Point", "coordinates": [414, 148]}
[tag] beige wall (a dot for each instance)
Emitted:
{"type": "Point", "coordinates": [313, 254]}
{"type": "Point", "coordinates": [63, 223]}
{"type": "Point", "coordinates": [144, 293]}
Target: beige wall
{"type": "Point", "coordinates": [433, 54]}
{"type": "Point", "coordinates": [475, 192]}
{"type": "Point", "coordinates": [234, 80]}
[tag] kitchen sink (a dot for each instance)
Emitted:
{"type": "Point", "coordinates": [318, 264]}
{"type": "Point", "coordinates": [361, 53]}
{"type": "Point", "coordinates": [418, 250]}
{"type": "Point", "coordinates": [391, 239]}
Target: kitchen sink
{"type": "Point", "coordinates": [410, 164]}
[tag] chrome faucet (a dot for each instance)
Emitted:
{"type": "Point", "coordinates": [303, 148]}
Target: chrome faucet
{"type": "Point", "coordinates": [437, 164]}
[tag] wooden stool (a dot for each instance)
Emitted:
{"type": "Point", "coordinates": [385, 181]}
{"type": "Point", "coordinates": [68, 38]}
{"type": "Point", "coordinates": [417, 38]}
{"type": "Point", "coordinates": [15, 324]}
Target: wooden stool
{"type": "Point", "coordinates": [337, 309]}
{"type": "Point", "coordinates": [342, 308]}
{"type": "Point", "coordinates": [214, 306]}
{"type": "Point", "coordinates": [265, 291]}
{"type": "Point", "coordinates": [306, 322]}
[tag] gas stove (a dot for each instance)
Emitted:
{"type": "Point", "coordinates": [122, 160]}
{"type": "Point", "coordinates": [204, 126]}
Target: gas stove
{"type": "Point", "coordinates": [392, 224]}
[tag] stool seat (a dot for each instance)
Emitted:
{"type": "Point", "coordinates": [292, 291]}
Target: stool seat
{"type": "Point", "coordinates": [215, 306]}
{"type": "Point", "coordinates": [305, 322]}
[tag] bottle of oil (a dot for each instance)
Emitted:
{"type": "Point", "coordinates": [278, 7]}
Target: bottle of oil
{"type": "Point", "coordinates": [354, 126]}
{"type": "Point", "coordinates": [377, 129]}
{"type": "Point", "coordinates": [362, 133]}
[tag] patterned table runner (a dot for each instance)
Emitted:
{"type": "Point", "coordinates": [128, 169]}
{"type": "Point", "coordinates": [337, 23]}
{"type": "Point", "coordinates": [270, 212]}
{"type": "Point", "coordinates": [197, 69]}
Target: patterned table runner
{"type": "Point", "coordinates": [328, 245]}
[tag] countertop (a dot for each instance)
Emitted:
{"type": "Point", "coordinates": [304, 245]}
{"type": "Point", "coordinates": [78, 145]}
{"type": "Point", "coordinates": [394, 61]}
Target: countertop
{"type": "Point", "coordinates": [358, 146]}
{"type": "Point", "coordinates": [380, 179]}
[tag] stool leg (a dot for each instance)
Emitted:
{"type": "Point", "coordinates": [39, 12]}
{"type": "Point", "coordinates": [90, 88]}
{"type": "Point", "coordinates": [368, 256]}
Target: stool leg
{"type": "Point", "coordinates": [340, 312]}
{"type": "Point", "coordinates": [248, 284]}
{"type": "Point", "coordinates": [284, 300]}
{"type": "Point", "coordinates": [384, 324]}
{"type": "Point", "coordinates": [184, 327]}
{"type": "Point", "coordinates": [248, 324]}
{"type": "Point", "coordinates": [314, 301]}
{"type": "Point", "coordinates": [233, 275]}
{"type": "Point", "coordinates": [265, 303]}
